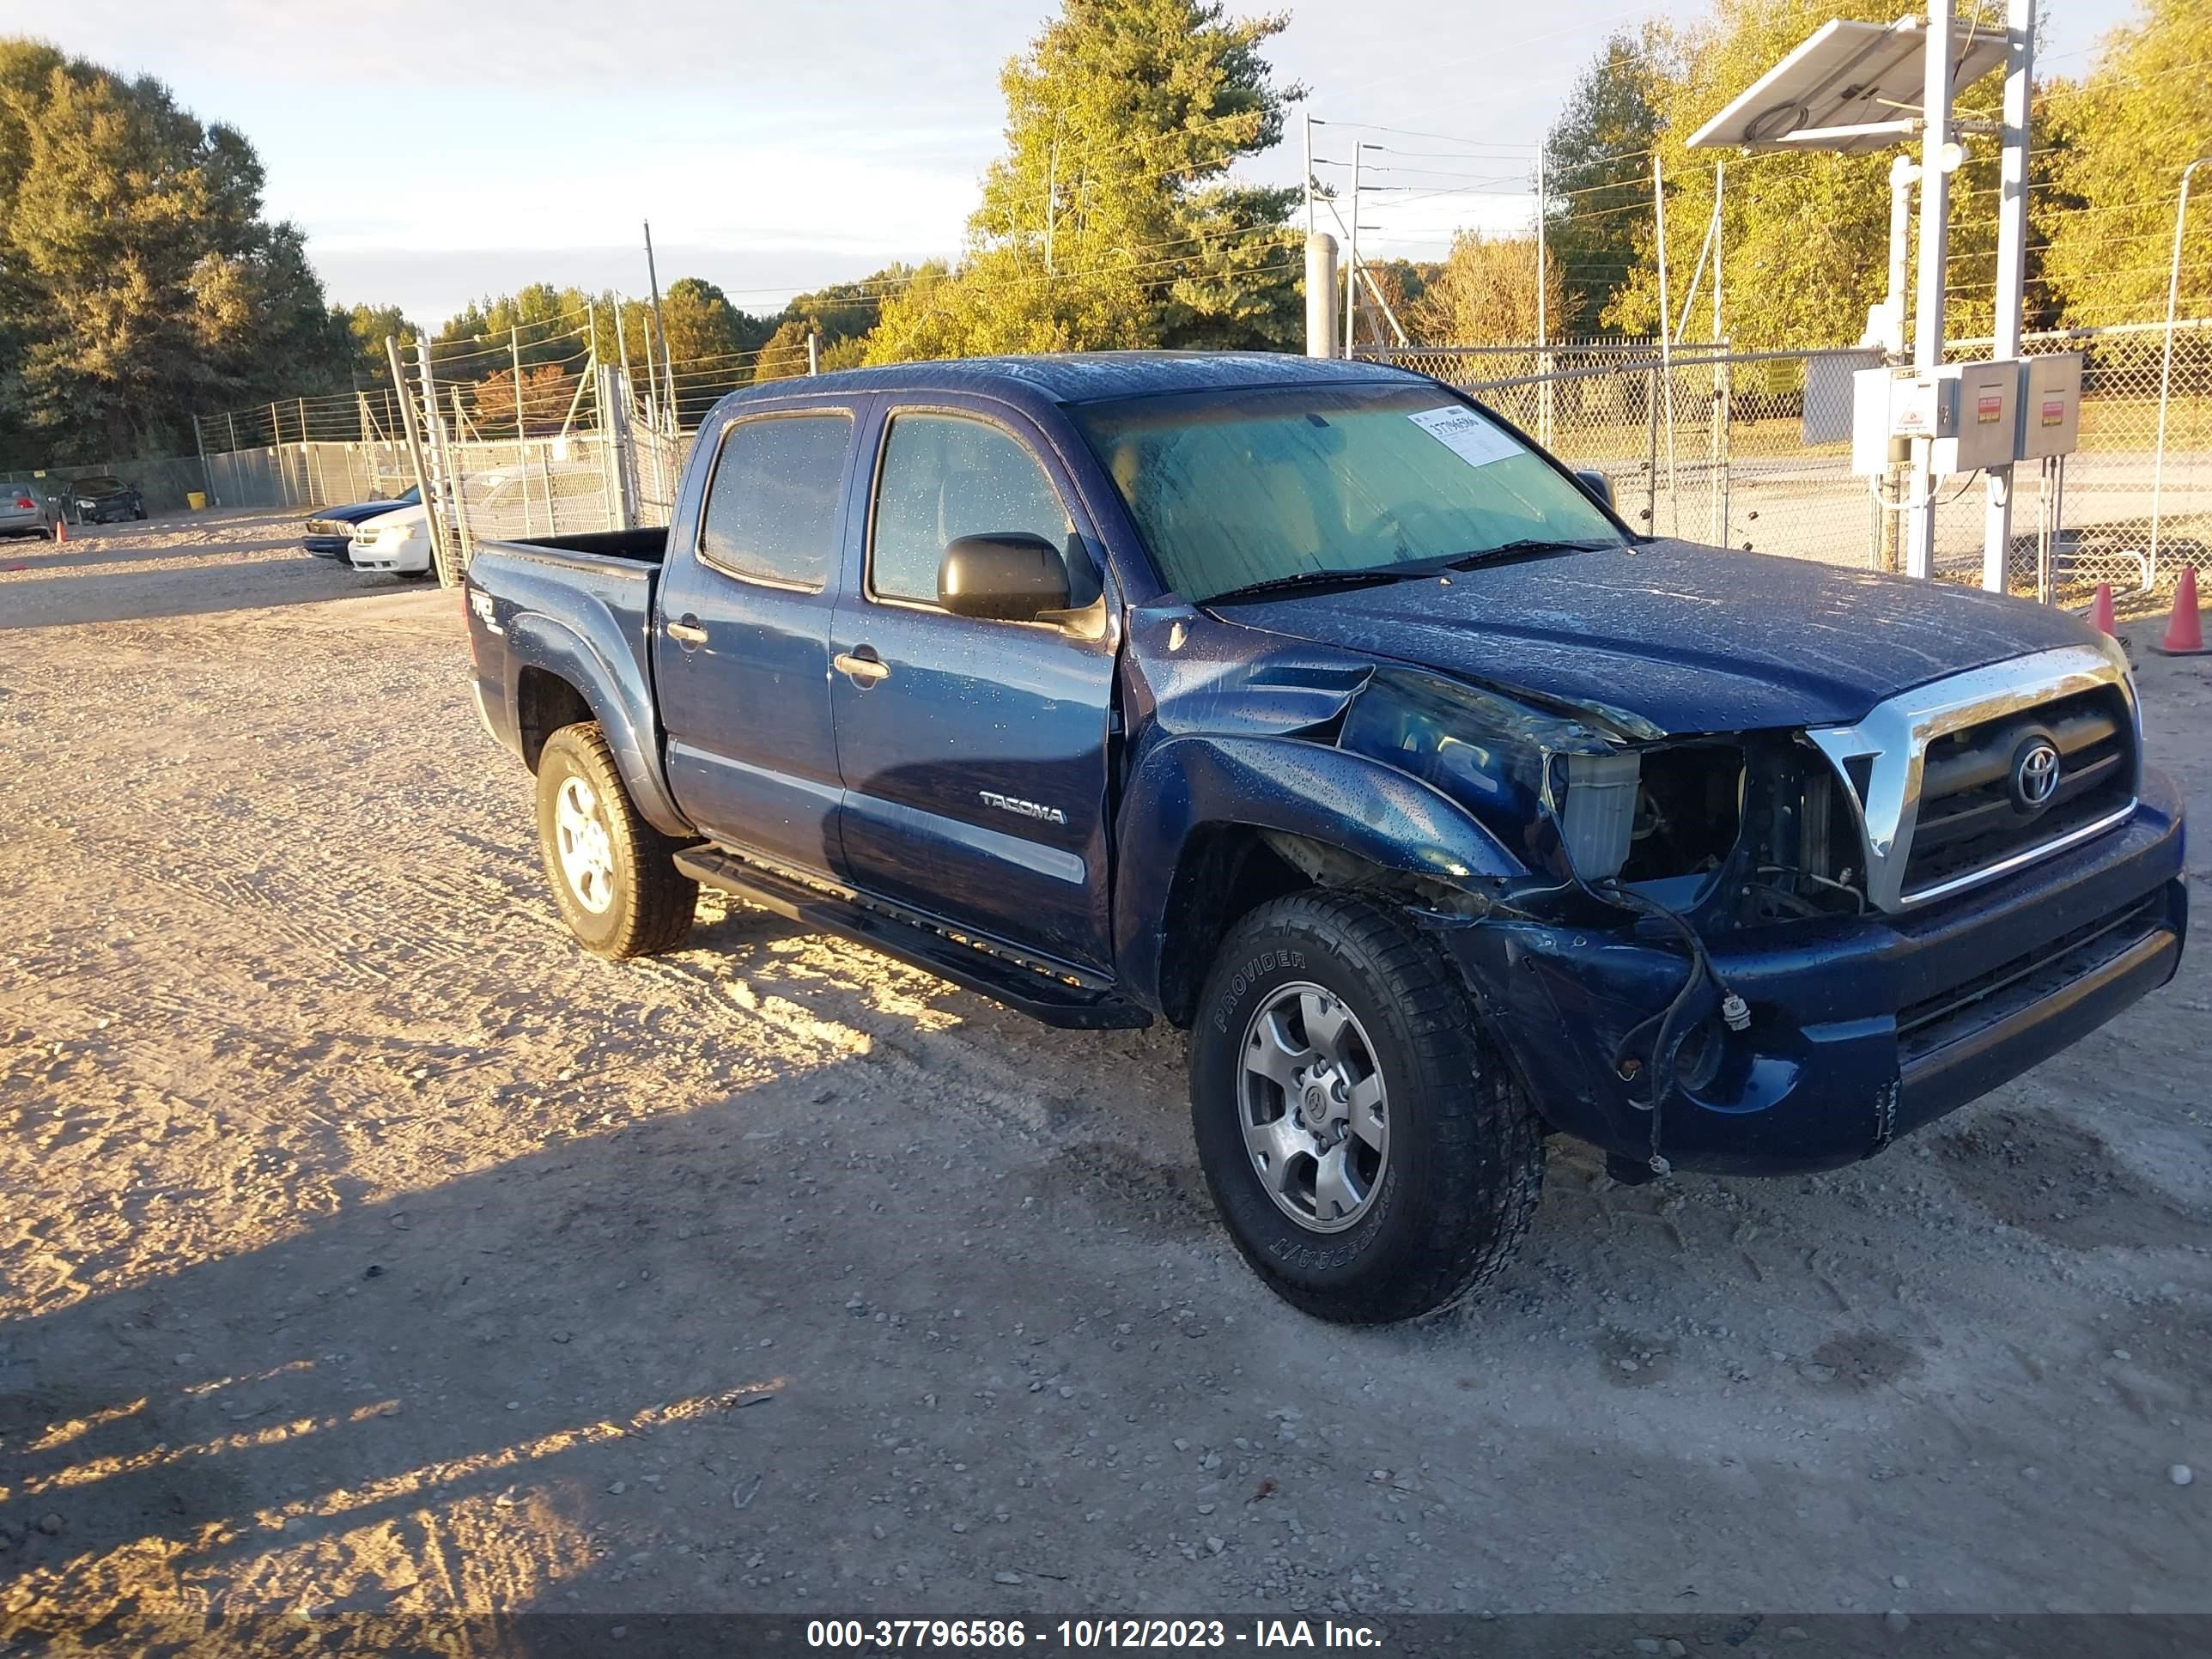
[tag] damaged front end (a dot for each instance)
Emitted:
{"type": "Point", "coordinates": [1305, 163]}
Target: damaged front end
{"type": "Point", "coordinates": [1689, 973]}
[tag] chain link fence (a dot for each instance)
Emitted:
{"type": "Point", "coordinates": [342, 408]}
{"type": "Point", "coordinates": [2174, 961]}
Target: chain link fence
{"type": "Point", "coordinates": [1752, 450]}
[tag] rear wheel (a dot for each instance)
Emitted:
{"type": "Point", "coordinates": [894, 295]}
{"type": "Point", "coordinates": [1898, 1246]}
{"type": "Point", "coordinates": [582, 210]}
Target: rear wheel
{"type": "Point", "coordinates": [613, 874]}
{"type": "Point", "coordinates": [1371, 1158]}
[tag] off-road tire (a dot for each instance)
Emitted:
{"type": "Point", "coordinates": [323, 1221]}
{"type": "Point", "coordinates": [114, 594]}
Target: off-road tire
{"type": "Point", "coordinates": [1466, 1160]}
{"type": "Point", "coordinates": [653, 902]}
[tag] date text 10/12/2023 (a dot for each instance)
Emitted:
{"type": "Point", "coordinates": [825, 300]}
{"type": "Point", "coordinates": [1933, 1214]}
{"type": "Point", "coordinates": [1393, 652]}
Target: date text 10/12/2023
{"type": "Point", "coordinates": [1084, 1635]}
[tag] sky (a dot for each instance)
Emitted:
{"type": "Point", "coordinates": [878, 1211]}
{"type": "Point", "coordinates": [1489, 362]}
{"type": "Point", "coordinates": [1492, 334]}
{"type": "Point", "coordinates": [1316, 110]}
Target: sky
{"type": "Point", "coordinates": [436, 153]}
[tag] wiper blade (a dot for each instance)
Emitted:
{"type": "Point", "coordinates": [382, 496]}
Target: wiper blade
{"type": "Point", "coordinates": [1526, 544]}
{"type": "Point", "coordinates": [1312, 578]}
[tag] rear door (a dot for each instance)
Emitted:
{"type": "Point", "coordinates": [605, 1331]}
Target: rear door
{"type": "Point", "coordinates": [974, 752]}
{"type": "Point", "coordinates": [743, 659]}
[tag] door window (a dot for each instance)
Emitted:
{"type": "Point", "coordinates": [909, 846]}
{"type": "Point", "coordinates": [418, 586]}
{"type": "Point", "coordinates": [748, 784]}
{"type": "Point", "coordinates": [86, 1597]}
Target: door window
{"type": "Point", "coordinates": [772, 504]}
{"type": "Point", "coordinates": [944, 477]}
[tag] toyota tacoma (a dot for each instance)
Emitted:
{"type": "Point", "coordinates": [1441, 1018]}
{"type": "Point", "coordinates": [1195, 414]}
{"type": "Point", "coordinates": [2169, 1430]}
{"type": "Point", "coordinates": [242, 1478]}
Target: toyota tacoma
{"type": "Point", "coordinates": [1313, 709]}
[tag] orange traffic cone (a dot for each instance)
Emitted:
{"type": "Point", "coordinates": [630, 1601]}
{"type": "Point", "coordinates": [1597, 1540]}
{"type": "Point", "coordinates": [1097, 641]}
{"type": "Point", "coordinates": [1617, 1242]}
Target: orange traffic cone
{"type": "Point", "coordinates": [2101, 613]}
{"type": "Point", "coordinates": [2185, 631]}
{"type": "Point", "coordinates": [61, 530]}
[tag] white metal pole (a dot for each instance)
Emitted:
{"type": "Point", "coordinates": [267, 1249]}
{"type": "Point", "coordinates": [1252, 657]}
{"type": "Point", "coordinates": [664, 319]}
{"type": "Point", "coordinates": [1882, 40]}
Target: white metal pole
{"type": "Point", "coordinates": [2166, 365]}
{"type": "Point", "coordinates": [2012, 265]}
{"type": "Point", "coordinates": [1934, 237]}
{"type": "Point", "coordinates": [813, 353]}
{"type": "Point", "coordinates": [1320, 294]}
{"type": "Point", "coordinates": [1902, 173]}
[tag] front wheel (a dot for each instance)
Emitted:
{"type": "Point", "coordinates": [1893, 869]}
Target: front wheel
{"type": "Point", "coordinates": [612, 873]}
{"type": "Point", "coordinates": [1371, 1158]}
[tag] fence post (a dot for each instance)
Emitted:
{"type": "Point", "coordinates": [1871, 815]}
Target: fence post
{"type": "Point", "coordinates": [1652, 450]}
{"type": "Point", "coordinates": [423, 482]}
{"type": "Point", "coordinates": [207, 477]}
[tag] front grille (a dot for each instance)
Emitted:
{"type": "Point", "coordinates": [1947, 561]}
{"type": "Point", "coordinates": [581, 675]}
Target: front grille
{"type": "Point", "coordinates": [1969, 817]}
{"type": "Point", "coordinates": [1924, 1026]}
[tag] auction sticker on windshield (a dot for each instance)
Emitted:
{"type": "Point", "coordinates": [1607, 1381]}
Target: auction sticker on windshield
{"type": "Point", "coordinates": [1467, 434]}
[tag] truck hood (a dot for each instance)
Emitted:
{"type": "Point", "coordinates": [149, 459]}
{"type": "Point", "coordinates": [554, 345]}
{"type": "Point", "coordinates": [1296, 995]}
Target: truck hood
{"type": "Point", "coordinates": [1692, 639]}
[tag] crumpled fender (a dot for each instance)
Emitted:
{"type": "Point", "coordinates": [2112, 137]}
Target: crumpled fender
{"type": "Point", "coordinates": [605, 672]}
{"type": "Point", "coordinates": [1301, 787]}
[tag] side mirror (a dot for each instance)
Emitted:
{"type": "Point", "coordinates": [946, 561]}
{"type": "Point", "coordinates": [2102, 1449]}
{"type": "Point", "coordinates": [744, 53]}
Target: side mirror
{"type": "Point", "coordinates": [1005, 576]}
{"type": "Point", "coordinates": [1599, 486]}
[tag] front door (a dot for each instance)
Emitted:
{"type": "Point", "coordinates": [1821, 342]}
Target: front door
{"type": "Point", "coordinates": [974, 752]}
{"type": "Point", "coordinates": [744, 661]}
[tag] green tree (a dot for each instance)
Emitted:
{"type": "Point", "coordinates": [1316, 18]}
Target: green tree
{"type": "Point", "coordinates": [1806, 234]}
{"type": "Point", "coordinates": [369, 327]}
{"type": "Point", "coordinates": [2122, 136]}
{"type": "Point", "coordinates": [1597, 166]}
{"type": "Point", "coordinates": [138, 280]}
{"type": "Point", "coordinates": [1111, 221]}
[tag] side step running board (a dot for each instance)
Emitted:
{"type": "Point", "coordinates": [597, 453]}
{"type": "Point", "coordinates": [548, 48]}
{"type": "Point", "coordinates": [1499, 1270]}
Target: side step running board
{"type": "Point", "coordinates": [1040, 996]}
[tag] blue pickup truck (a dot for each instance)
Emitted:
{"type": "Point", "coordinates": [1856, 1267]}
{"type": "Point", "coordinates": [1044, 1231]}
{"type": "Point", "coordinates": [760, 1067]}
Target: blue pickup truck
{"type": "Point", "coordinates": [1312, 707]}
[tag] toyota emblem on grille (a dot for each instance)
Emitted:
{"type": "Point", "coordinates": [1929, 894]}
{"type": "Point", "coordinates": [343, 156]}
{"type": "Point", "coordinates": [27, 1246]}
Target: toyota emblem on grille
{"type": "Point", "coordinates": [2034, 775]}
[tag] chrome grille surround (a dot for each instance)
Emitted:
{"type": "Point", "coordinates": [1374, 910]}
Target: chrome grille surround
{"type": "Point", "coordinates": [1891, 745]}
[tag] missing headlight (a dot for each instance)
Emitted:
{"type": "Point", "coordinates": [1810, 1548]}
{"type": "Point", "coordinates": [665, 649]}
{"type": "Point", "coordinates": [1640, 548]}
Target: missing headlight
{"type": "Point", "coordinates": [1689, 810]}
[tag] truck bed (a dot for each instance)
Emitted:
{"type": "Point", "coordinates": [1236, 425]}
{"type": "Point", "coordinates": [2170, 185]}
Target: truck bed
{"type": "Point", "coordinates": [648, 545]}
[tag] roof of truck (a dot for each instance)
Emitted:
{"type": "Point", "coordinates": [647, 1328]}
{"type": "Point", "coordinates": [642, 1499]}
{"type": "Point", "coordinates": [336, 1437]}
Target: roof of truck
{"type": "Point", "coordinates": [1076, 377]}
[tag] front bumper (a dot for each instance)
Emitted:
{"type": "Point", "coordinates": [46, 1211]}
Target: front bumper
{"type": "Point", "coordinates": [405, 558]}
{"type": "Point", "coordinates": [1862, 1028]}
{"type": "Point", "coordinates": [325, 547]}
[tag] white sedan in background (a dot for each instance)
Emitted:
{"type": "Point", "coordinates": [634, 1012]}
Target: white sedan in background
{"type": "Point", "coordinates": [501, 503]}
{"type": "Point", "coordinates": [398, 542]}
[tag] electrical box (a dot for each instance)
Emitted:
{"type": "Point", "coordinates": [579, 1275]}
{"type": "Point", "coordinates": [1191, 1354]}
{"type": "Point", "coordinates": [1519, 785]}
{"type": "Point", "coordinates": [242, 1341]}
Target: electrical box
{"type": "Point", "coordinates": [2049, 406]}
{"type": "Point", "coordinates": [1969, 413]}
{"type": "Point", "coordinates": [1870, 436]}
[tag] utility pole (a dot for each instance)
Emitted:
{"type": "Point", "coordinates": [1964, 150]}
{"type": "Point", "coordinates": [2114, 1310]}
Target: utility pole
{"type": "Point", "coordinates": [1311, 226]}
{"type": "Point", "coordinates": [1352, 259]}
{"type": "Point", "coordinates": [813, 352]}
{"type": "Point", "coordinates": [1543, 335]}
{"type": "Point", "coordinates": [2012, 257]}
{"type": "Point", "coordinates": [514, 353]}
{"type": "Point", "coordinates": [1051, 204]}
{"type": "Point", "coordinates": [2166, 364]}
{"type": "Point", "coordinates": [1543, 321]}
{"type": "Point", "coordinates": [1934, 240]}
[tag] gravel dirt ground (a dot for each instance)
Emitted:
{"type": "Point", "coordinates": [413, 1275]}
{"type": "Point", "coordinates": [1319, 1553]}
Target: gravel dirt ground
{"type": "Point", "coordinates": [368, 1246]}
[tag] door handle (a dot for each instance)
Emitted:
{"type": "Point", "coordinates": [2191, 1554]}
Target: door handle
{"type": "Point", "coordinates": [687, 634]}
{"type": "Point", "coordinates": [863, 666]}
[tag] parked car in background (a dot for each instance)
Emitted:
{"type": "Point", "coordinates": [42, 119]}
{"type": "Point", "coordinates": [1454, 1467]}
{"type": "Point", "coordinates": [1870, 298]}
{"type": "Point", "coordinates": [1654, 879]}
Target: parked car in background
{"type": "Point", "coordinates": [104, 499]}
{"type": "Point", "coordinates": [396, 542]}
{"type": "Point", "coordinates": [1313, 709]}
{"type": "Point", "coordinates": [329, 533]}
{"type": "Point", "coordinates": [25, 508]}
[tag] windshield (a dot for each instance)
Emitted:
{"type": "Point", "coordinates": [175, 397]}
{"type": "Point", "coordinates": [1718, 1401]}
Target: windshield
{"type": "Point", "coordinates": [1231, 489]}
{"type": "Point", "coordinates": [98, 486]}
